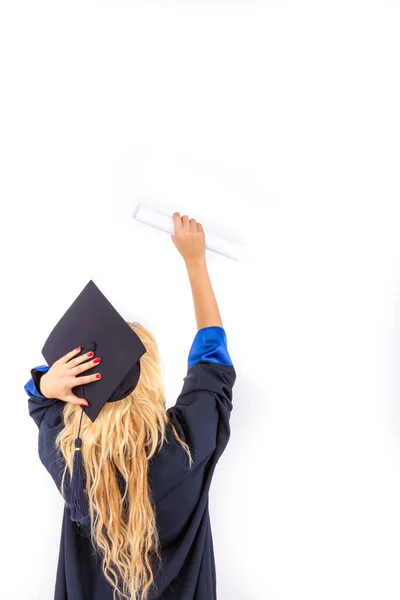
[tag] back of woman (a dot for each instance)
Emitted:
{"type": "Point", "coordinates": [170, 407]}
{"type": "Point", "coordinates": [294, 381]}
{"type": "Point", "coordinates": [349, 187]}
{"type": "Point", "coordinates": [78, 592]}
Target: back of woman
{"type": "Point", "coordinates": [136, 522]}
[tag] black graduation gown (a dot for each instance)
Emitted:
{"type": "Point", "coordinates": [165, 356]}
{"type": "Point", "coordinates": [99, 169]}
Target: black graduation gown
{"type": "Point", "coordinates": [180, 493]}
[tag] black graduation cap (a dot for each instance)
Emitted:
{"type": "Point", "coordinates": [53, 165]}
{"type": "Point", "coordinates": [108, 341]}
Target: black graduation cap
{"type": "Point", "coordinates": [93, 323]}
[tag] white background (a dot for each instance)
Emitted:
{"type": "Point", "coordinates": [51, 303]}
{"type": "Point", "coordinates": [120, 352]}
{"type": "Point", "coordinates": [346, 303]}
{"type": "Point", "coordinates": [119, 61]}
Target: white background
{"type": "Point", "coordinates": [273, 123]}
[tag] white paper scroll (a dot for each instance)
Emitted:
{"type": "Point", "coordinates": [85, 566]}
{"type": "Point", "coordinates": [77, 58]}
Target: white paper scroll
{"type": "Point", "coordinates": [215, 243]}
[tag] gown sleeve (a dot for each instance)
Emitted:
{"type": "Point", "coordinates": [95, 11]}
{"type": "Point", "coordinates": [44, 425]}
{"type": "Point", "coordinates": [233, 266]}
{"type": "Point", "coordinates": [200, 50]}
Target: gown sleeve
{"type": "Point", "coordinates": [48, 416]}
{"type": "Point", "coordinates": [32, 388]}
{"type": "Point", "coordinates": [202, 411]}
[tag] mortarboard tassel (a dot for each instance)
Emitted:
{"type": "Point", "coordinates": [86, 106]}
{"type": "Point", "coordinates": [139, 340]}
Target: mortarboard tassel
{"type": "Point", "coordinates": [78, 500]}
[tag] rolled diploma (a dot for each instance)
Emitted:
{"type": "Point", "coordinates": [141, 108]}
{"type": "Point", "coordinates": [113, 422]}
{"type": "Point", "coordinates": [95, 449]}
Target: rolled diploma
{"type": "Point", "coordinates": [215, 243]}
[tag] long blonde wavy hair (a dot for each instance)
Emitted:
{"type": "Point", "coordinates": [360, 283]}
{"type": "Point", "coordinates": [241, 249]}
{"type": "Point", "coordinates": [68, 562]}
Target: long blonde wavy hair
{"type": "Point", "coordinates": [119, 444]}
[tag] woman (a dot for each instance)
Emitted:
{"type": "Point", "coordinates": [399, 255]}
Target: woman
{"type": "Point", "coordinates": [147, 470]}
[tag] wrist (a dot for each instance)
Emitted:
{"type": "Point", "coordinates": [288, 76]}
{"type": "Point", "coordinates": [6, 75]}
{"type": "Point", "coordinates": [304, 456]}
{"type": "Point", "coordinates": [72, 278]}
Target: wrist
{"type": "Point", "coordinates": [194, 265]}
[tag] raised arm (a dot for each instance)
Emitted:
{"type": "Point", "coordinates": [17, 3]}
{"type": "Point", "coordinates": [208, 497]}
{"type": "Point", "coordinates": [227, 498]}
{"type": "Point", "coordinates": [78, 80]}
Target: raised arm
{"type": "Point", "coordinates": [189, 240]}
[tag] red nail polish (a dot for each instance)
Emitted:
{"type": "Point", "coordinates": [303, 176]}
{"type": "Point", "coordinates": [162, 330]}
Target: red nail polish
{"type": "Point", "coordinates": [96, 361]}
{"type": "Point", "coordinates": [78, 348]}
{"type": "Point", "coordinates": [98, 376]}
{"type": "Point", "coordinates": [89, 354]}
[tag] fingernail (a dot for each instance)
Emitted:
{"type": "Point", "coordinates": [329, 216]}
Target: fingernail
{"type": "Point", "coordinates": [96, 361]}
{"type": "Point", "coordinates": [98, 376]}
{"type": "Point", "coordinates": [85, 404]}
{"type": "Point", "coordinates": [90, 354]}
{"type": "Point", "coordinates": [78, 348]}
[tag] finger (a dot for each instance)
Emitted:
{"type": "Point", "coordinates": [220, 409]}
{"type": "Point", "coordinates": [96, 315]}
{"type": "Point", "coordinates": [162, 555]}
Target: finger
{"type": "Point", "coordinates": [177, 221]}
{"type": "Point", "coordinates": [193, 225]}
{"type": "Point", "coordinates": [75, 400]}
{"type": "Point", "coordinates": [185, 222]}
{"type": "Point", "coordinates": [83, 363]}
{"type": "Point", "coordinates": [200, 227]}
{"type": "Point", "coordinates": [85, 379]}
{"type": "Point", "coordinates": [70, 355]}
